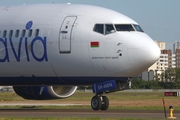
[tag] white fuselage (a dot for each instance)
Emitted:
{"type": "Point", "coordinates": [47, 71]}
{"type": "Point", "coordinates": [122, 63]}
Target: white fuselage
{"type": "Point", "coordinates": [60, 41]}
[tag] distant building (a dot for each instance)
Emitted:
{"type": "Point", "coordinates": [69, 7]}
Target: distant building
{"type": "Point", "coordinates": [162, 45]}
{"type": "Point", "coordinates": [173, 60]}
{"type": "Point", "coordinates": [177, 58]}
{"type": "Point", "coordinates": [147, 75]}
{"type": "Point", "coordinates": [166, 60]}
{"type": "Point", "coordinates": [157, 66]}
{"type": "Point", "coordinates": [176, 45]}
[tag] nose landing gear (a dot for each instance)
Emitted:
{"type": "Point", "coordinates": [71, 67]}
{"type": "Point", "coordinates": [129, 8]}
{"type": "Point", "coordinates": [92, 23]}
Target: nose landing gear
{"type": "Point", "coordinates": [99, 102]}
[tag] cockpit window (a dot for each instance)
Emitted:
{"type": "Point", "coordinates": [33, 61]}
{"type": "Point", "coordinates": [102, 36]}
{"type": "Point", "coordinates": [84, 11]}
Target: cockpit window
{"type": "Point", "coordinates": [104, 28]}
{"type": "Point", "coordinates": [99, 28]}
{"type": "Point", "coordinates": [124, 27]}
{"type": "Point", "coordinates": [109, 29]}
{"type": "Point", "coordinates": [138, 28]}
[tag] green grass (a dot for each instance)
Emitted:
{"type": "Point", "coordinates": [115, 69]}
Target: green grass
{"type": "Point", "coordinates": [87, 107]}
{"type": "Point", "coordinates": [136, 95]}
{"type": "Point", "coordinates": [86, 96]}
{"type": "Point", "coordinates": [9, 96]}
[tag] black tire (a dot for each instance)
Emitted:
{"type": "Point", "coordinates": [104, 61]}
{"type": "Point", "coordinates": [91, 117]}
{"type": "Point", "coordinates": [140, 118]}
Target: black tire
{"type": "Point", "coordinates": [105, 103]}
{"type": "Point", "coordinates": [96, 103]}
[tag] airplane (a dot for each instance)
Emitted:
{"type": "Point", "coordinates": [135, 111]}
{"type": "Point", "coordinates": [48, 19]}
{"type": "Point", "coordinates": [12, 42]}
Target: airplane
{"type": "Point", "coordinates": [48, 50]}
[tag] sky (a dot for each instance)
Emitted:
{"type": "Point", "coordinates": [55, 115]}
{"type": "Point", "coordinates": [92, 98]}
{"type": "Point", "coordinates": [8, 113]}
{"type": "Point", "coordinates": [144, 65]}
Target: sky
{"type": "Point", "coordinates": [160, 19]}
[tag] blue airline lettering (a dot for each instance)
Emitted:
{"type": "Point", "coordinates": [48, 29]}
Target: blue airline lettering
{"type": "Point", "coordinates": [44, 57]}
{"type": "Point", "coordinates": [6, 57]}
{"type": "Point", "coordinates": [26, 47]}
{"type": "Point", "coordinates": [17, 54]}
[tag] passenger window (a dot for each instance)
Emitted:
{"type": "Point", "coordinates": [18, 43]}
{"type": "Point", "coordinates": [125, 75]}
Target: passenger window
{"type": "Point", "coordinates": [17, 33]}
{"type": "Point", "coordinates": [4, 33]}
{"type": "Point", "coordinates": [124, 27]}
{"type": "Point", "coordinates": [36, 33]}
{"type": "Point", "coordinates": [30, 33]}
{"type": "Point", "coordinates": [10, 33]}
{"type": "Point", "coordinates": [23, 33]}
{"type": "Point", "coordinates": [109, 29]}
{"type": "Point", "coordinates": [99, 28]}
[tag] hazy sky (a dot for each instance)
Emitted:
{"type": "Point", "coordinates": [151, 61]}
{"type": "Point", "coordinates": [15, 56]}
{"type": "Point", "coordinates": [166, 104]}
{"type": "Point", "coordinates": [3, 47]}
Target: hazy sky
{"type": "Point", "coordinates": [160, 19]}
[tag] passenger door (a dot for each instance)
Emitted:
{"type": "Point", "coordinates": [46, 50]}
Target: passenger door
{"type": "Point", "coordinates": [66, 34]}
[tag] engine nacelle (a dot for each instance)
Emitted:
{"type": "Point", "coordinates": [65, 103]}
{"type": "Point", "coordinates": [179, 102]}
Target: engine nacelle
{"type": "Point", "coordinates": [44, 92]}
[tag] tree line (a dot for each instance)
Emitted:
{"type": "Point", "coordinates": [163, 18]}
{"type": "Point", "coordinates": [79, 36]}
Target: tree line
{"type": "Point", "coordinates": [168, 79]}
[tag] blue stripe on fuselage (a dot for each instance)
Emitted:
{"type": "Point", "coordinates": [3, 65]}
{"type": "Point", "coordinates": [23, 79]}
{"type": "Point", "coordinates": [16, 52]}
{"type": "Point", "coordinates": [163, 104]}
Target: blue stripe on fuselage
{"type": "Point", "coordinates": [28, 81]}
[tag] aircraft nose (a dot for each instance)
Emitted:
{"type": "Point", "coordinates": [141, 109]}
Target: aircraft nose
{"type": "Point", "coordinates": [142, 53]}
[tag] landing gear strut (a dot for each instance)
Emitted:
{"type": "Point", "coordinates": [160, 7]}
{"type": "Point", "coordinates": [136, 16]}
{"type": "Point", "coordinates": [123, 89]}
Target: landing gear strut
{"type": "Point", "coordinates": [99, 102]}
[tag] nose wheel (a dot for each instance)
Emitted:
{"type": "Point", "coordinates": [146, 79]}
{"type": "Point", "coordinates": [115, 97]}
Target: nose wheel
{"type": "Point", "coordinates": [99, 102]}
